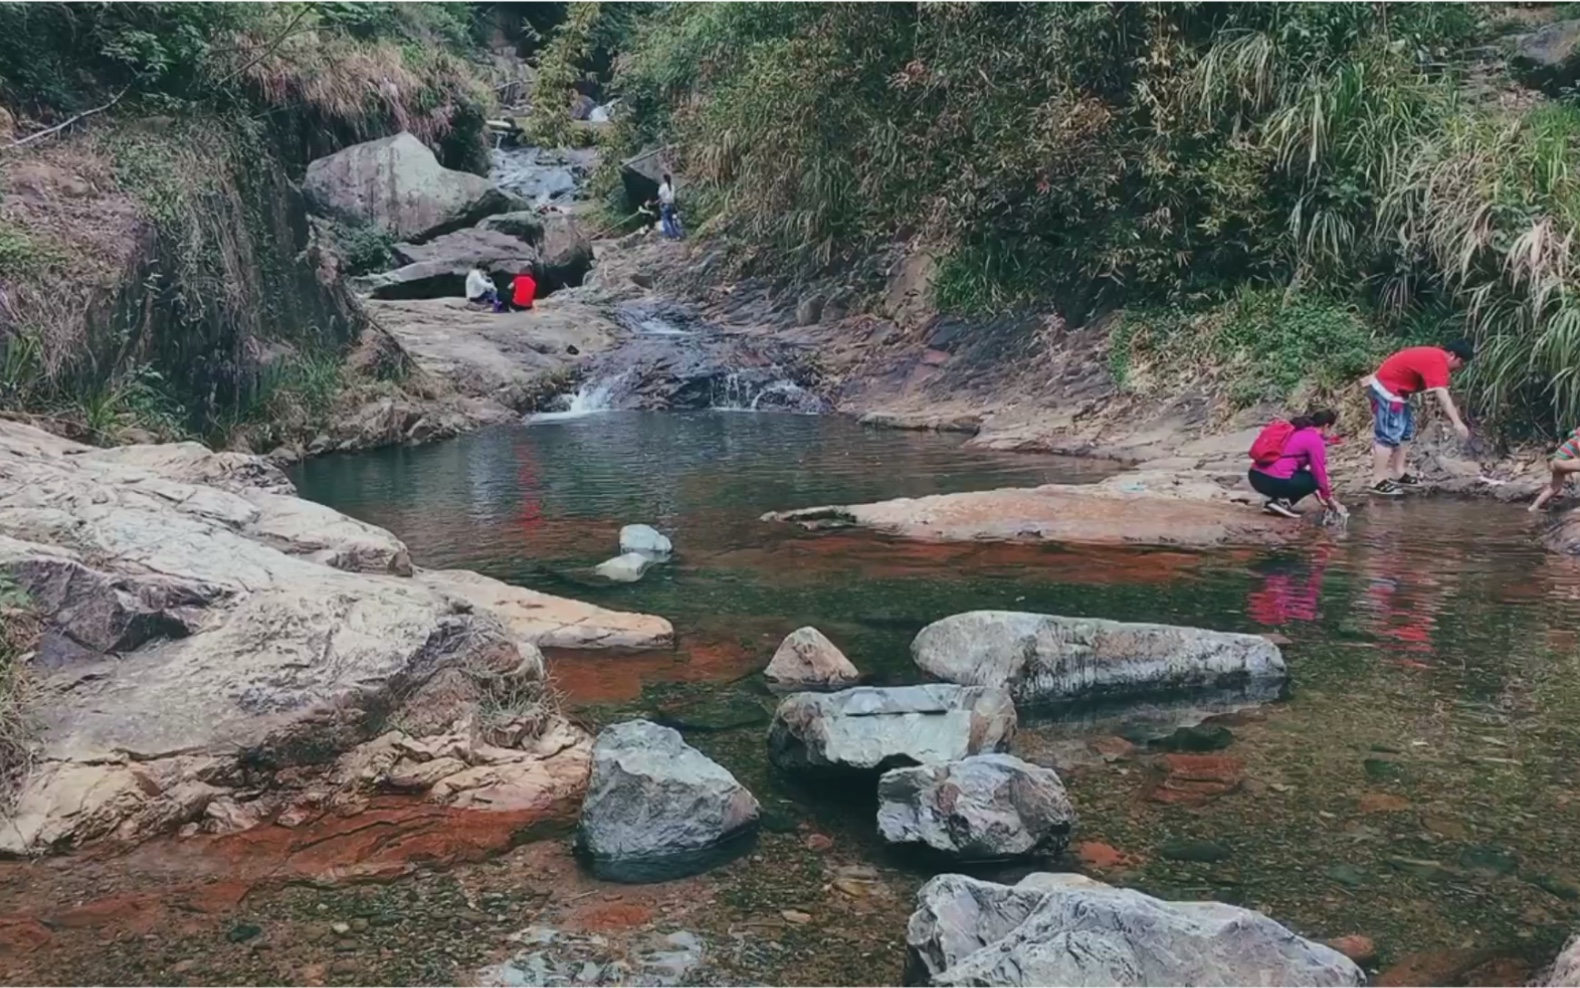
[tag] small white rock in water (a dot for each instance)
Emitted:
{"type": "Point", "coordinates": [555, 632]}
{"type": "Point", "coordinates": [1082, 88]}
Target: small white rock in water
{"type": "Point", "coordinates": [806, 658]}
{"type": "Point", "coordinates": [644, 539]}
{"type": "Point", "coordinates": [626, 568]}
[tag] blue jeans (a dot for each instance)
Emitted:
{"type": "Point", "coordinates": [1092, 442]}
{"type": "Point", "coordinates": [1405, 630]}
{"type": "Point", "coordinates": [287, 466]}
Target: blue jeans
{"type": "Point", "coordinates": [667, 221]}
{"type": "Point", "coordinates": [1393, 423]}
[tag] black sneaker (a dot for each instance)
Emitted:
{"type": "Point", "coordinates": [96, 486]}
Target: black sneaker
{"type": "Point", "coordinates": [1280, 506]}
{"type": "Point", "coordinates": [1408, 480]}
{"type": "Point", "coordinates": [1386, 488]}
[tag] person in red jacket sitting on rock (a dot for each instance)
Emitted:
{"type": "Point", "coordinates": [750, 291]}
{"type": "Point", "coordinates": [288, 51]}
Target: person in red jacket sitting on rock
{"type": "Point", "coordinates": [522, 291]}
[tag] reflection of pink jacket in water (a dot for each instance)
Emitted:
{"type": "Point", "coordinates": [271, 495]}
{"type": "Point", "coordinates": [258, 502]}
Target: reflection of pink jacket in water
{"type": "Point", "coordinates": [1281, 599]}
{"type": "Point", "coordinates": [1305, 449]}
{"type": "Point", "coordinates": [1284, 598]}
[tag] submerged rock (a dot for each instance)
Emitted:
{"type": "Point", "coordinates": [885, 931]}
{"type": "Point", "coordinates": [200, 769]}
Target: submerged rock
{"type": "Point", "coordinates": [1045, 658]}
{"type": "Point", "coordinates": [1059, 929]}
{"type": "Point", "coordinates": [396, 184]}
{"type": "Point", "coordinates": [654, 804]}
{"type": "Point", "coordinates": [978, 808]}
{"type": "Point", "coordinates": [645, 539]}
{"type": "Point", "coordinates": [552, 957]}
{"type": "Point", "coordinates": [625, 568]}
{"type": "Point", "coordinates": [870, 727]}
{"type": "Point", "coordinates": [806, 659]}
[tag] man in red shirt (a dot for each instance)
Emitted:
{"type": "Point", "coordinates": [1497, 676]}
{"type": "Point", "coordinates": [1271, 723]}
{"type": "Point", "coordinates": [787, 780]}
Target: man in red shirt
{"type": "Point", "coordinates": [522, 291]}
{"type": "Point", "coordinates": [1407, 373]}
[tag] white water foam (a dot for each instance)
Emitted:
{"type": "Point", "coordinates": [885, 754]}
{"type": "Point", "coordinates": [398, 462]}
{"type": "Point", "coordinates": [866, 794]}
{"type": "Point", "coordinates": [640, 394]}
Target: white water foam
{"type": "Point", "coordinates": [656, 326]}
{"type": "Point", "coordinates": [589, 399]}
{"type": "Point", "coordinates": [740, 394]}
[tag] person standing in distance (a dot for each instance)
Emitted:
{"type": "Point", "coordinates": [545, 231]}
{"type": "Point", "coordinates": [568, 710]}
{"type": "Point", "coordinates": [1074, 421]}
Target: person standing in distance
{"type": "Point", "coordinates": [1401, 377]}
{"type": "Point", "coordinates": [666, 208]}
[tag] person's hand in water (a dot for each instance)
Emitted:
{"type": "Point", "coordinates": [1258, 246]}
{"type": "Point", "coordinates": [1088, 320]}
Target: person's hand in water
{"type": "Point", "coordinates": [1462, 431]}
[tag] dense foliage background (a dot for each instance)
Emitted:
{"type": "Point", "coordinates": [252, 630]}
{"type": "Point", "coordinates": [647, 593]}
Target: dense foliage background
{"type": "Point", "coordinates": [1194, 163]}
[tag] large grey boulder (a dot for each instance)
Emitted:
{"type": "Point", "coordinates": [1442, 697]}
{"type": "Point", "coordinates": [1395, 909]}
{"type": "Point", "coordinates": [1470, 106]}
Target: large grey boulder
{"type": "Point", "coordinates": [978, 808]}
{"type": "Point", "coordinates": [806, 659]}
{"type": "Point", "coordinates": [566, 251]}
{"type": "Point", "coordinates": [203, 644]}
{"type": "Point", "coordinates": [397, 185]}
{"type": "Point", "coordinates": [524, 225]}
{"type": "Point", "coordinates": [1041, 658]}
{"type": "Point", "coordinates": [869, 727]}
{"type": "Point", "coordinates": [652, 796]}
{"type": "Point", "coordinates": [1055, 929]}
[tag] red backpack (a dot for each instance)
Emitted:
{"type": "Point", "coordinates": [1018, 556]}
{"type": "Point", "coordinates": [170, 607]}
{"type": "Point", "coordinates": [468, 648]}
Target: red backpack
{"type": "Point", "coordinates": [1268, 448]}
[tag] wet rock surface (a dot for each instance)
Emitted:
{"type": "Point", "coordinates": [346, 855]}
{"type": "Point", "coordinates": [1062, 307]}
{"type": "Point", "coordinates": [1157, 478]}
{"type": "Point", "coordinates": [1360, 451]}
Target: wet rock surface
{"type": "Point", "coordinates": [984, 807]}
{"type": "Point", "coordinates": [1055, 929]}
{"type": "Point", "coordinates": [806, 659]}
{"type": "Point", "coordinates": [1045, 658]}
{"type": "Point", "coordinates": [656, 807]}
{"type": "Point", "coordinates": [868, 728]}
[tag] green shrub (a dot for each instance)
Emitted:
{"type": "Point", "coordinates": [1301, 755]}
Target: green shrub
{"type": "Point", "coordinates": [366, 248]}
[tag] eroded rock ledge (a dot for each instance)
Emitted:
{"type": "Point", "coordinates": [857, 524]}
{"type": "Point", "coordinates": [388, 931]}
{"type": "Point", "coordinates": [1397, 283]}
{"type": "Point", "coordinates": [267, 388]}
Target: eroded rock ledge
{"type": "Point", "coordinates": [219, 653]}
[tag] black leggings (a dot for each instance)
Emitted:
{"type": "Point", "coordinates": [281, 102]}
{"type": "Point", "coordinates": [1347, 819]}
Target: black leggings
{"type": "Point", "coordinates": [1302, 484]}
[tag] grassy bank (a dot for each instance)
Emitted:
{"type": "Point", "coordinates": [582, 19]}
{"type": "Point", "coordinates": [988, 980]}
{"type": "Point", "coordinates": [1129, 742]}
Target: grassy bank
{"type": "Point", "coordinates": [1365, 160]}
{"type": "Point", "coordinates": [18, 635]}
{"type": "Point", "coordinates": [159, 274]}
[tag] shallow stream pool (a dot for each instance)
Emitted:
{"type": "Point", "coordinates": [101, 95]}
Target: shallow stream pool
{"type": "Point", "coordinates": [1418, 786]}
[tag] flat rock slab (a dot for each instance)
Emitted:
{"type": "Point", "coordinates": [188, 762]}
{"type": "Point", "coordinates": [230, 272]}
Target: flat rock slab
{"type": "Point", "coordinates": [1045, 658]}
{"type": "Point", "coordinates": [870, 727]}
{"type": "Point", "coordinates": [549, 621]}
{"type": "Point", "coordinates": [1101, 514]}
{"type": "Point", "coordinates": [1061, 929]}
{"type": "Point", "coordinates": [511, 357]}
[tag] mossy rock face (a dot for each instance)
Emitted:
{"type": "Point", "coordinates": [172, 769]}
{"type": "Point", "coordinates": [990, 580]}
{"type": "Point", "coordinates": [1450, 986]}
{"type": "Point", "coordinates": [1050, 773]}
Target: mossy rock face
{"type": "Point", "coordinates": [1547, 58]}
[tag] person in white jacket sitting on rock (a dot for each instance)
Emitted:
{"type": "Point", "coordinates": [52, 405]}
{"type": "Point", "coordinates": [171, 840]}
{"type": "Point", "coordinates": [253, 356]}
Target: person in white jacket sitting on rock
{"type": "Point", "coordinates": [480, 288]}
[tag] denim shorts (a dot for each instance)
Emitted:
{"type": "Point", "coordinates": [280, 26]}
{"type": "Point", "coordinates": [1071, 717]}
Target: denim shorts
{"type": "Point", "coordinates": [1392, 422]}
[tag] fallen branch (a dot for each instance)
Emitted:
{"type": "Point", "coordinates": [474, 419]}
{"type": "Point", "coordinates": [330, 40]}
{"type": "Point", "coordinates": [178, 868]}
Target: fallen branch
{"type": "Point", "coordinates": [29, 139]}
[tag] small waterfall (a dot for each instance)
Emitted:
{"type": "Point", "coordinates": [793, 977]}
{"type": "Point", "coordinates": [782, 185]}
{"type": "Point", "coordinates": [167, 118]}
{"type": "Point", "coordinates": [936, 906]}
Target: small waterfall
{"type": "Point", "coordinates": [590, 398]}
{"type": "Point", "coordinates": [762, 392]}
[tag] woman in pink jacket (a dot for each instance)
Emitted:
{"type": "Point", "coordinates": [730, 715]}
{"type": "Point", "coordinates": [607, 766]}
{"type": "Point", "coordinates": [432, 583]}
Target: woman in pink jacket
{"type": "Point", "coordinates": [1301, 467]}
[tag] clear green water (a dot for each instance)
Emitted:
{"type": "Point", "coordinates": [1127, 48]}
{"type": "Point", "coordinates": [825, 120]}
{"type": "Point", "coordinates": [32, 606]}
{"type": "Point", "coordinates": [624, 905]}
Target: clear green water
{"type": "Point", "coordinates": [1419, 785]}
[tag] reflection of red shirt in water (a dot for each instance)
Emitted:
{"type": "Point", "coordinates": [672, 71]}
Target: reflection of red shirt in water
{"type": "Point", "coordinates": [523, 290]}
